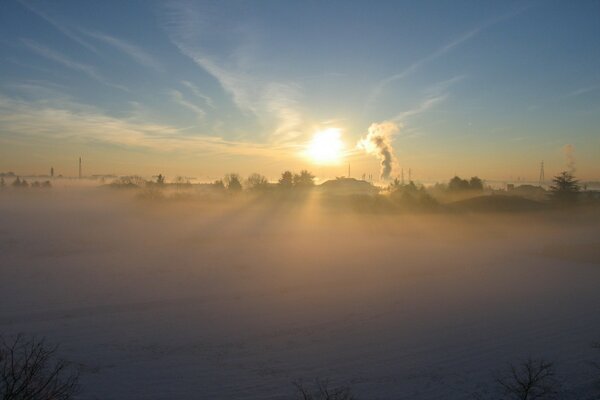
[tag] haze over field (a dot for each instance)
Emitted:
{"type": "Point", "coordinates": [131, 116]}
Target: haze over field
{"type": "Point", "coordinates": [237, 299]}
{"type": "Point", "coordinates": [332, 200]}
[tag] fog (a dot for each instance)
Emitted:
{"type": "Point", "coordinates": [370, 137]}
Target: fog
{"type": "Point", "coordinates": [237, 297]}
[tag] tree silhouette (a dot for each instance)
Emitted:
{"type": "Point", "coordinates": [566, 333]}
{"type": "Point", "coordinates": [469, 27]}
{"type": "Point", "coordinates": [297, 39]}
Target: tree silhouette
{"type": "Point", "coordinates": [2, 183]}
{"type": "Point", "coordinates": [160, 179]}
{"type": "Point", "coordinates": [181, 181]}
{"type": "Point", "coordinates": [219, 185]}
{"type": "Point", "coordinates": [30, 371]}
{"type": "Point", "coordinates": [457, 184]}
{"type": "Point", "coordinates": [475, 183]}
{"type": "Point", "coordinates": [233, 182]}
{"type": "Point", "coordinates": [257, 182]}
{"type": "Point", "coordinates": [565, 188]}
{"type": "Point", "coordinates": [304, 179]}
{"type": "Point", "coordinates": [596, 364]}
{"type": "Point", "coordinates": [322, 391]}
{"type": "Point", "coordinates": [531, 380]}
{"type": "Point", "coordinates": [287, 180]}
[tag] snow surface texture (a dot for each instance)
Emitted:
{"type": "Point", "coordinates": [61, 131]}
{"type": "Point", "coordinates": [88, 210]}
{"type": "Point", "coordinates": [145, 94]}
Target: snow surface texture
{"type": "Point", "coordinates": [184, 300]}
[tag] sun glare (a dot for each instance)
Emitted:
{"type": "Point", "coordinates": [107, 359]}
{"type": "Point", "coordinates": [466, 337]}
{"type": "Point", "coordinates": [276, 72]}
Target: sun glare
{"type": "Point", "coordinates": [326, 147]}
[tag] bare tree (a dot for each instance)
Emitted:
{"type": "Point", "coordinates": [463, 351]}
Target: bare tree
{"type": "Point", "coordinates": [322, 391]}
{"type": "Point", "coordinates": [257, 182]}
{"type": "Point", "coordinates": [29, 370]}
{"type": "Point", "coordinates": [530, 380]}
{"type": "Point", "coordinates": [596, 364]}
{"type": "Point", "coordinates": [233, 182]}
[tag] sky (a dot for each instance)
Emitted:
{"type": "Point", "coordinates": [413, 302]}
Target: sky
{"type": "Point", "coordinates": [200, 89]}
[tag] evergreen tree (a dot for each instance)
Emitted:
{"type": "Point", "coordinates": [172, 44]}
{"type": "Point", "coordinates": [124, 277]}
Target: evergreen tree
{"type": "Point", "coordinates": [565, 188]}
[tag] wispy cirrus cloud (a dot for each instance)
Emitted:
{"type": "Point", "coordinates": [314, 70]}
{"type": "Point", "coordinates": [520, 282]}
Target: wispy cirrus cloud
{"type": "Point", "coordinates": [271, 102]}
{"type": "Point", "coordinates": [134, 52]}
{"type": "Point", "coordinates": [59, 26]}
{"type": "Point", "coordinates": [196, 91]}
{"type": "Point", "coordinates": [72, 121]}
{"type": "Point", "coordinates": [435, 94]}
{"type": "Point", "coordinates": [65, 61]}
{"type": "Point", "coordinates": [381, 85]}
{"type": "Point", "coordinates": [178, 98]}
{"type": "Point", "coordinates": [582, 91]}
{"type": "Point", "coordinates": [420, 108]}
{"type": "Point", "coordinates": [461, 39]}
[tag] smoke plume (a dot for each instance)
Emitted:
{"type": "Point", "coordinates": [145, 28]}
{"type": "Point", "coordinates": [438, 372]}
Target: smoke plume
{"type": "Point", "coordinates": [378, 142]}
{"type": "Point", "coordinates": [569, 152]}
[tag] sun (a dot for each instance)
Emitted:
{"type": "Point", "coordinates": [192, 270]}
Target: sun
{"type": "Point", "coordinates": [326, 147]}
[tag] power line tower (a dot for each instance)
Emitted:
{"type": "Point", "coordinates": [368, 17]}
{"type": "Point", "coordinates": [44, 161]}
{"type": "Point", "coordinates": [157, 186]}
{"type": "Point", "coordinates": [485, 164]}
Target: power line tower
{"type": "Point", "coordinates": [542, 176]}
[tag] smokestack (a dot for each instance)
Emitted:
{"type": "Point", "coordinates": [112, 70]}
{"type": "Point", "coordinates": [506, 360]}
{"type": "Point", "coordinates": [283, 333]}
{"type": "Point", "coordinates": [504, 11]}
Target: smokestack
{"type": "Point", "coordinates": [79, 167]}
{"type": "Point", "coordinates": [51, 172]}
{"type": "Point", "coordinates": [378, 142]}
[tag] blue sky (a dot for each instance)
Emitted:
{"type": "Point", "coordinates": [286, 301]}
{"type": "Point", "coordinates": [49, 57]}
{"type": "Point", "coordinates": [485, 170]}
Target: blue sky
{"type": "Point", "coordinates": [204, 88]}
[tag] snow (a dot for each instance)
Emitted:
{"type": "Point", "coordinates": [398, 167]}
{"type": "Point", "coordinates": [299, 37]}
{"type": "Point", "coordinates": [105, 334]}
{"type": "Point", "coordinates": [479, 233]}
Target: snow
{"type": "Point", "coordinates": [236, 300]}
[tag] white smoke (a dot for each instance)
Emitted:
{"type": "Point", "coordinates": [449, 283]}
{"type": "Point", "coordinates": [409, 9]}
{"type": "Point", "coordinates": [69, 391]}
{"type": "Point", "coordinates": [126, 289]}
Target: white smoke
{"type": "Point", "coordinates": [378, 142]}
{"type": "Point", "coordinates": [569, 152]}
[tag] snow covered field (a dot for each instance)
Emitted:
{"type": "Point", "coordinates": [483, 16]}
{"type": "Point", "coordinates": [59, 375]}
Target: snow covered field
{"type": "Point", "coordinates": [186, 300]}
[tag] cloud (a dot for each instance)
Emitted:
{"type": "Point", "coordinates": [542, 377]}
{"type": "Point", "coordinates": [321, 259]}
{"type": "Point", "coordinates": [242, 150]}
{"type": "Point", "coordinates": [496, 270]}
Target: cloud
{"type": "Point", "coordinates": [425, 105]}
{"type": "Point", "coordinates": [76, 122]}
{"type": "Point", "coordinates": [196, 91]}
{"type": "Point", "coordinates": [582, 91]}
{"type": "Point", "coordinates": [448, 47]}
{"type": "Point", "coordinates": [235, 68]}
{"type": "Point", "coordinates": [384, 83]}
{"type": "Point", "coordinates": [59, 58]}
{"type": "Point", "coordinates": [178, 98]}
{"type": "Point", "coordinates": [134, 52]}
{"type": "Point", "coordinates": [60, 27]}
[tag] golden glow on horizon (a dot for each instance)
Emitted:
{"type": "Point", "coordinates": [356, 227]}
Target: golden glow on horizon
{"type": "Point", "coordinates": [326, 147]}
